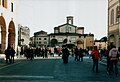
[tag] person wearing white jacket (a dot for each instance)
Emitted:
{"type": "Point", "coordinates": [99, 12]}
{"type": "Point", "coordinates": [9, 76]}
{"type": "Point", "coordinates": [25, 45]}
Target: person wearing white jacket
{"type": "Point", "coordinates": [113, 54]}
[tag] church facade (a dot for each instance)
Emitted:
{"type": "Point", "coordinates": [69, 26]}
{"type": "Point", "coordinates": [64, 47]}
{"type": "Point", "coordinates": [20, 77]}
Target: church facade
{"type": "Point", "coordinates": [69, 34]}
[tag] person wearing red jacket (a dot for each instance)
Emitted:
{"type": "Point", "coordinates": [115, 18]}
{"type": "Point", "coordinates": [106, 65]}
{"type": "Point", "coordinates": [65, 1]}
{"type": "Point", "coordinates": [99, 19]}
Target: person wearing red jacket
{"type": "Point", "coordinates": [96, 57]}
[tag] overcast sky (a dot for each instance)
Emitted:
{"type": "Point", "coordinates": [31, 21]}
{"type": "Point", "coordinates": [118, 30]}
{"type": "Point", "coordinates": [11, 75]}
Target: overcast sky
{"type": "Point", "coordinates": [47, 14]}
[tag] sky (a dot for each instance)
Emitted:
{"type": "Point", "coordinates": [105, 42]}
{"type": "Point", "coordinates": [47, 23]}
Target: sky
{"type": "Point", "coordinates": [47, 14]}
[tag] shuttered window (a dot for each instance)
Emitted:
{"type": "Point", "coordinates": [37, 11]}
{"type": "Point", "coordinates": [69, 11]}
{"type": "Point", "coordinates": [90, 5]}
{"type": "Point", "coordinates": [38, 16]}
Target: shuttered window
{"type": "Point", "coordinates": [112, 16]}
{"type": "Point", "coordinates": [0, 2]}
{"type": "Point", "coordinates": [117, 16]}
{"type": "Point", "coordinates": [4, 3]}
{"type": "Point", "coordinates": [11, 7]}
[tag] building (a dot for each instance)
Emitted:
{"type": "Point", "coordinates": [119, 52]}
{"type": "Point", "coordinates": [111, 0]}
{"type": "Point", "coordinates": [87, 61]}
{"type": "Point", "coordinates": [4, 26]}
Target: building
{"type": "Point", "coordinates": [40, 39]}
{"type": "Point", "coordinates": [31, 43]}
{"type": "Point", "coordinates": [8, 24]}
{"type": "Point", "coordinates": [89, 41]}
{"type": "Point", "coordinates": [68, 33]}
{"type": "Point", "coordinates": [100, 44]}
{"type": "Point", "coordinates": [114, 22]}
{"type": "Point", "coordinates": [23, 35]}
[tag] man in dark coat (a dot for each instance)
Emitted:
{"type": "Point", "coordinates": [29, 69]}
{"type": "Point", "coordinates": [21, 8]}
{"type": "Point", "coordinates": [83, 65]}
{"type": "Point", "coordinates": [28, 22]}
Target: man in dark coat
{"type": "Point", "coordinates": [12, 54]}
{"type": "Point", "coordinates": [46, 50]}
{"type": "Point", "coordinates": [76, 54]}
{"type": "Point", "coordinates": [80, 54]}
{"type": "Point", "coordinates": [65, 55]}
{"type": "Point", "coordinates": [7, 54]}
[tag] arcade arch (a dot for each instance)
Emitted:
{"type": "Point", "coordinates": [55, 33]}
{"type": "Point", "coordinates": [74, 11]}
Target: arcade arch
{"type": "Point", "coordinates": [11, 34]}
{"type": "Point", "coordinates": [2, 34]}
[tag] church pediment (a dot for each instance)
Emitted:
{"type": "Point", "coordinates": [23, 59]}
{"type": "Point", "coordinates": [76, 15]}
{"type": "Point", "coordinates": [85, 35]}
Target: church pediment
{"type": "Point", "coordinates": [67, 25]}
{"type": "Point", "coordinates": [67, 28]}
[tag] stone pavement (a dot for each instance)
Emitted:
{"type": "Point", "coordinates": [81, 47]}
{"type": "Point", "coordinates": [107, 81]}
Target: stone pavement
{"type": "Point", "coordinates": [104, 62]}
{"type": "Point", "coordinates": [2, 60]}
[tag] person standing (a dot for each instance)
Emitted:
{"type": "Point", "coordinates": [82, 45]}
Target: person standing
{"type": "Point", "coordinates": [31, 54]}
{"type": "Point", "coordinates": [7, 55]}
{"type": "Point", "coordinates": [108, 58]}
{"type": "Point", "coordinates": [90, 51]}
{"type": "Point", "coordinates": [114, 57]}
{"type": "Point", "coordinates": [76, 54]}
{"type": "Point", "coordinates": [80, 54]}
{"type": "Point", "coordinates": [46, 52]}
{"type": "Point", "coordinates": [52, 51]}
{"type": "Point", "coordinates": [96, 57]}
{"type": "Point", "coordinates": [43, 52]}
{"type": "Point", "coordinates": [59, 50]}
{"type": "Point", "coordinates": [65, 55]}
{"type": "Point", "coordinates": [12, 54]}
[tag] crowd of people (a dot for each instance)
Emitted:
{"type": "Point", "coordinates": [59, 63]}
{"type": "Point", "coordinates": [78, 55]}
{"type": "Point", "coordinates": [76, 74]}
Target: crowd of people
{"type": "Point", "coordinates": [112, 55]}
{"type": "Point", "coordinates": [42, 51]}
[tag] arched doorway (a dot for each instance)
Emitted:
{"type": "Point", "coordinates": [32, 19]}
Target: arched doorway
{"type": "Point", "coordinates": [54, 42]}
{"type": "Point", "coordinates": [2, 35]}
{"type": "Point", "coordinates": [11, 34]}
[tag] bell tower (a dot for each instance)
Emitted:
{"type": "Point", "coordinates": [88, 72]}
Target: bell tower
{"type": "Point", "coordinates": [70, 20]}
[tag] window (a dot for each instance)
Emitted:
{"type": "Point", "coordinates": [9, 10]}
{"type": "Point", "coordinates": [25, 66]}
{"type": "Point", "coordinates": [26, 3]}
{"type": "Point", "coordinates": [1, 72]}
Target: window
{"type": "Point", "coordinates": [45, 42]}
{"type": "Point", "coordinates": [70, 21]}
{"type": "Point", "coordinates": [39, 42]}
{"type": "Point", "coordinates": [45, 39]}
{"type": "Point", "coordinates": [39, 38]}
{"type": "Point", "coordinates": [4, 3]}
{"type": "Point", "coordinates": [11, 7]}
{"type": "Point", "coordinates": [112, 16]}
{"type": "Point", "coordinates": [117, 9]}
{"type": "Point", "coordinates": [69, 28]}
